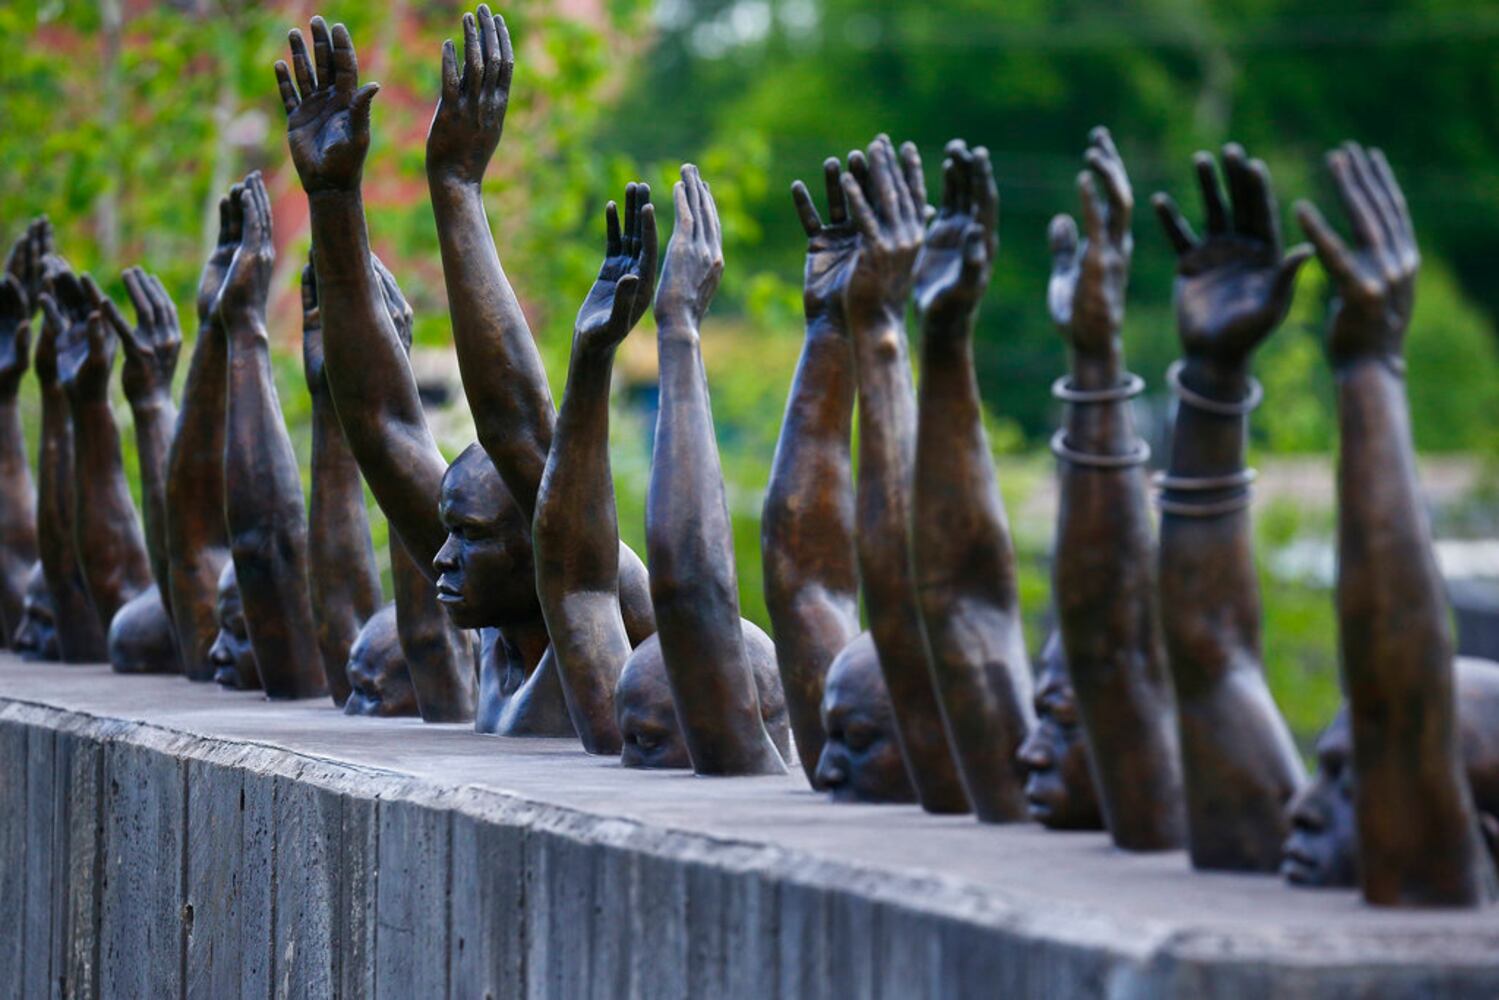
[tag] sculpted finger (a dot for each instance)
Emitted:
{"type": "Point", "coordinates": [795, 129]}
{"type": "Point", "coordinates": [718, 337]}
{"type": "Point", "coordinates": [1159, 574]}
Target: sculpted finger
{"type": "Point", "coordinates": [359, 107]}
{"type": "Point", "coordinates": [648, 249]}
{"type": "Point", "coordinates": [691, 179]}
{"type": "Point", "coordinates": [1212, 198]}
{"type": "Point", "coordinates": [450, 83]}
{"type": "Point", "coordinates": [289, 99]}
{"type": "Point", "coordinates": [986, 196]}
{"type": "Point", "coordinates": [473, 55]}
{"type": "Point", "coordinates": [806, 211]}
{"type": "Point", "coordinates": [1387, 180]}
{"type": "Point", "coordinates": [345, 60]}
{"type": "Point", "coordinates": [54, 321]}
{"type": "Point", "coordinates": [962, 176]}
{"type": "Point", "coordinates": [858, 166]}
{"type": "Point", "coordinates": [507, 56]}
{"type": "Point", "coordinates": [1361, 214]}
{"type": "Point", "coordinates": [837, 208]}
{"type": "Point", "coordinates": [1264, 214]}
{"type": "Point", "coordinates": [612, 244]}
{"type": "Point", "coordinates": [1331, 250]}
{"type": "Point", "coordinates": [910, 161]}
{"type": "Point", "coordinates": [975, 254]}
{"type": "Point", "coordinates": [683, 205]}
{"type": "Point", "coordinates": [712, 231]}
{"type": "Point", "coordinates": [490, 36]}
{"type": "Point", "coordinates": [322, 52]}
{"type": "Point", "coordinates": [1235, 165]}
{"type": "Point", "coordinates": [140, 299]}
{"type": "Point", "coordinates": [1105, 160]}
{"type": "Point", "coordinates": [622, 311]}
{"type": "Point", "coordinates": [301, 63]}
{"type": "Point", "coordinates": [886, 199]}
{"type": "Point", "coordinates": [1178, 232]}
{"type": "Point", "coordinates": [1290, 267]}
{"type": "Point", "coordinates": [859, 209]}
{"type": "Point", "coordinates": [236, 227]}
{"type": "Point", "coordinates": [1385, 215]}
{"type": "Point", "coordinates": [166, 309]}
{"type": "Point", "coordinates": [1093, 209]}
{"type": "Point", "coordinates": [1062, 236]}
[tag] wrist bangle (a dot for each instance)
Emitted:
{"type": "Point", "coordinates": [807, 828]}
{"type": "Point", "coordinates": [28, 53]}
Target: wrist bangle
{"type": "Point", "coordinates": [1059, 447]}
{"type": "Point", "coordinates": [1189, 484]}
{"type": "Point", "coordinates": [1228, 506]}
{"type": "Point", "coordinates": [1132, 386]}
{"type": "Point", "coordinates": [1223, 408]}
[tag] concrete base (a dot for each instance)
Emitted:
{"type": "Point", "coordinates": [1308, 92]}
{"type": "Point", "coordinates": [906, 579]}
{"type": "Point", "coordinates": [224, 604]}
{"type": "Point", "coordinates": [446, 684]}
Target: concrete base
{"type": "Point", "coordinates": [160, 838]}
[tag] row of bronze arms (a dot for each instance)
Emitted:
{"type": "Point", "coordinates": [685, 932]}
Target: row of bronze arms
{"type": "Point", "coordinates": [517, 607]}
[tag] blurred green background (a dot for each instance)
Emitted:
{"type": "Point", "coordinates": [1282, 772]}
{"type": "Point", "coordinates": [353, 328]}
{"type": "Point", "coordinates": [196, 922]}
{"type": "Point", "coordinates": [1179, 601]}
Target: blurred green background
{"type": "Point", "coordinates": [126, 120]}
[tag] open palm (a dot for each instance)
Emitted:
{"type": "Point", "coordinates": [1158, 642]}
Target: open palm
{"type": "Point", "coordinates": [327, 112]}
{"type": "Point", "coordinates": [621, 291]}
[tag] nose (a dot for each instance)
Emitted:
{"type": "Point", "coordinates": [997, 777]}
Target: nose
{"type": "Point", "coordinates": [218, 653]}
{"type": "Point", "coordinates": [1034, 753]}
{"type": "Point", "coordinates": [1307, 813]}
{"type": "Point", "coordinates": [831, 769]}
{"type": "Point", "coordinates": [446, 559]}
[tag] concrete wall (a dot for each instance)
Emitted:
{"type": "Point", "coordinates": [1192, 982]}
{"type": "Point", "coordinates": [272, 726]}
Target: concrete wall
{"type": "Point", "coordinates": [139, 861]}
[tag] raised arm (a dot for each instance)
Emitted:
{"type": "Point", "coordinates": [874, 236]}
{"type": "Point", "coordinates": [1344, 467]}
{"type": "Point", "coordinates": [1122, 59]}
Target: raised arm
{"type": "Point", "coordinates": [79, 631]}
{"type": "Point", "coordinates": [1419, 842]}
{"type": "Point", "coordinates": [106, 529]}
{"type": "Point", "coordinates": [343, 579]}
{"type": "Point", "coordinates": [374, 391]}
{"type": "Point", "coordinates": [807, 526]}
{"type": "Point", "coordinates": [576, 531]}
{"type": "Point", "coordinates": [964, 560]}
{"type": "Point", "coordinates": [151, 348]}
{"type": "Point", "coordinates": [1105, 556]}
{"type": "Point", "coordinates": [886, 200]}
{"type": "Point", "coordinates": [689, 540]}
{"type": "Point", "coordinates": [503, 376]}
{"type": "Point", "coordinates": [262, 487]}
{"type": "Point", "coordinates": [17, 497]}
{"type": "Point", "coordinates": [1232, 289]}
{"type": "Point", "coordinates": [197, 542]}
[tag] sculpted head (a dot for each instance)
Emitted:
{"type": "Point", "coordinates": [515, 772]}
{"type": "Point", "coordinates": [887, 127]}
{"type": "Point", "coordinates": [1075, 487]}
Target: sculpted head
{"type": "Point", "coordinates": [379, 679]}
{"type": "Point", "coordinates": [1059, 783]}
{"type": "Point", "coordinates": [141, 639]}
{"type": "Point", "coordinates": [232, 657]}
{"type": "Point", "coordinates": [860, 759]}
{"type": "Point", "coordinates": [36, 636]}
{"type": "Point", "coordinates": [486, 576]}
{"type": "Point", "coordinates": [647, 717]}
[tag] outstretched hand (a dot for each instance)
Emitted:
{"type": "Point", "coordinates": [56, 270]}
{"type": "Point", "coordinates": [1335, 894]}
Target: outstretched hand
{"type": "Point", "coordinates": [1376, 278]}
{"type": "Point", "coordinates": [1233, 286]}
{"type": "Point", "coordinates": [247, 282]}
{"type": "Point", "coordinates": [26, 261]}
{"type": "Point", "coordinates": [152, 345]}
{"type": "Point", "coordinates": [1088, 280]}
{"type": "Point", "coordinates": [694, 256]}
{"type": "Point", "coordinates": [887, 200]}
{"type": "Point", "coordinates": [831, 248]}
{"type": "Point", "coordinates": [65, 311]}
{"type": "Point", "coordinates": [952, 271]}
{"type": "Point", "coordinates": [622, 290]}
{"type": "Point", "coordinates": [470, 113]}
{"type": "Point", "coordinates": [327, 112]}
{"type": "Point", "coordinates": [231, 230]}
{"type": "Point", "coordinates": [15, 335]}
{"type": "Point", "coordinates": [85, 347]}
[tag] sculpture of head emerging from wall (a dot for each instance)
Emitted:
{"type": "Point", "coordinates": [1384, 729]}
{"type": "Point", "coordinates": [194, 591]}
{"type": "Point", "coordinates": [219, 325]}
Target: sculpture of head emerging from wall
{"type": "Point", "coordinates": [1322, 849]}
{"type": "Point", "coordinates": [647, 716]}
{"type": "Point", "coordinates": [141, 640]}
{"type": "Point", "coordinates": [861, 759]}
{"type": "Point", "coordinates": [36, 636]}
{"type": "Point", "coordinates": [486, 575]}
{"type": "Point", "coordinates": [1059, 790]}
{"type": "Point", "coordinates": [232, 656]}
{"type": "Point", "coordinates": [379, 679]}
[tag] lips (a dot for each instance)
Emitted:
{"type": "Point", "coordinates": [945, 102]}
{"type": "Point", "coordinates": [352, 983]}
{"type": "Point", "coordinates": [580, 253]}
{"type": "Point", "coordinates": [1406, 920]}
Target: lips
{"type": "Point", "coordinates": [447, 593]}
{"type": "Point", "coordinates": [1298, 866]}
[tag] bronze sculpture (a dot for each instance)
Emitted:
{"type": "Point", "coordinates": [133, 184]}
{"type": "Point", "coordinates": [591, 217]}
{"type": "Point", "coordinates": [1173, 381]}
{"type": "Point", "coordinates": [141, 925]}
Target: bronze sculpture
{"type": "Point", "coordinates": [860, 759]}
{"type": "Point", "coordinates": [80, 634]}
{"type": "Point", "coordinates": [232, 654]}
{"type": "Point", "coordinates": [807, 525]}
{"type": "Point", "coordinates": [20, 288]}
{"type": "Point", "coordinates": [1233, 288]}
{"type": "Point", "coordinates": [262, 487]}
{"type": "Point", "coordinates": [141, 636]}
{"type": "Point", "coordinates": [1419, 842]}
{"type": "Point", "coordinates": [689, 543]}
{"type": "Point", "coordinates": [1105, 583]}
{"type": "Point", "coordinates": [379, 679]}
{"type": "Point", "coordinates": [963, 558]}
{"type": "Point", "coordinates": [886, 201]}
{"type": "Point", "coordinates": [1322, 848]}
{"type": "Point", "coordinates": [36, 636]}
{"type": "Point", "coordinates": [197, 538]}
{"type": "Point", "coordinates": [1059, 790]}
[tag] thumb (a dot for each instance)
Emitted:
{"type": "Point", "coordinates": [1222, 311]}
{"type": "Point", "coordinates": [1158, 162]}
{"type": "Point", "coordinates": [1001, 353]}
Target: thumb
{"type": "Point", "coordinates": [53, 314]}
{"type": "Point", "coordinates": [1290, 266]}
{"type": "Point", "coordinates": [975, 253]}
{"type": "Point", "coordinates": [98, 337]}
{"type": "Point", "coordinates": [1063, 237]}
{"type": "Point", "coordinates": [359, 108]}
{"type": "Point", "coordinates": [23, 341]}
{"type": "Point", "coordinates": [624, 302]}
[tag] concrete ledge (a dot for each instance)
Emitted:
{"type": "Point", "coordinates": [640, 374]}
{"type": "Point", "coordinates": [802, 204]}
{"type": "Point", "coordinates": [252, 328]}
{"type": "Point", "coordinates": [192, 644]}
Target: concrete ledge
{"type": "Point", "coordinates": [160, 838]}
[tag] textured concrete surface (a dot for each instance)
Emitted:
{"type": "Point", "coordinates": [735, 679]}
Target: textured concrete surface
{"type": "Point", "coordinates": [160, 838]}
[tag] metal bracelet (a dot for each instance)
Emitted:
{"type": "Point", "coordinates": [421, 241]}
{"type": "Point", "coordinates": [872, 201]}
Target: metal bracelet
{"type": "Point", "coordinates": [1225, 409]}
{"type": "Point", "coordinates": [1059, 447]}
{"type": "Point", "coordinates": [1230, 505]}
{"type": "Point", "coordinates": [1190, 484]}
{"type": "Point", "coordinates": [1132, 386]}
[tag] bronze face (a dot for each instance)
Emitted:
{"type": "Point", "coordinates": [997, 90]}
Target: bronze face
{"type": "Point", "coordinates": [36, 637]}
{"type": "Point", "coordinates": [141, 640]}
{"type": "Point", "coordinates": [232, 656]}
{"type": "Point", "coordinates": [1059, 789]}
{"type": "Point", "coordinates": [1322, 849]}
{"type": "Point", "coordinates": [486, 574]}
{"type": "Point", "coordinates": [379, 680]}
{"type": "Point", "coordinates": [647, 718]}
{"type": "Point", "coordinates": [860, 759]}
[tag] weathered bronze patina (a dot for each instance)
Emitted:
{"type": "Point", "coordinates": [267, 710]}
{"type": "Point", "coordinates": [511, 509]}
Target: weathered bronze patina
{"type": "Point", "coordinates": [232, 655]}
{"type": "Point", "coordinates": [860, 759]}
{"type": "Point", "coordinates": [20, 292]}
{"type": "Point", "coordinates": [1059, 791]}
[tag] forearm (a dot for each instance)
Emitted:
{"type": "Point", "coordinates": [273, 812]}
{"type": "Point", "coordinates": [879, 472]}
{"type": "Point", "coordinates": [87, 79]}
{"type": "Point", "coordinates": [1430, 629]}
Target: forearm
{"type": "Point", "coordinates": [503, 375]}
{"type": "Point", "coordinates": [373, 388]}
{"type": "Point", "coordinates": [79, 631]}
{"type": "Point", "coordinates": [345, 584]}
{"type": "Point", "coordinates": [155, 423]}
{"type": "Point", "coordinates": [17, 515]}
{"type": "Point", "coordinates": [107, 532]}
